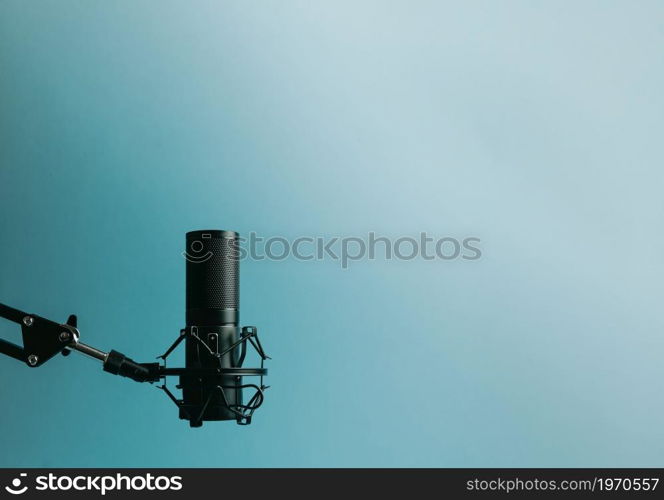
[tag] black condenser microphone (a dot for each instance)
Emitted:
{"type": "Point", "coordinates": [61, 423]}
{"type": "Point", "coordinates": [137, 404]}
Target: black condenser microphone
{"type": "Point", "coordinates": [212, 380]}
{"type": "Point", "coordinates": [215, 346]}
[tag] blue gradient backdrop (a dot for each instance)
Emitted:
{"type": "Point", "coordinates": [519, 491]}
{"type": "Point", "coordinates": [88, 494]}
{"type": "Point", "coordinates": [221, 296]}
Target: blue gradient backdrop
{"type": "Point", "coordinates": [536, 126]}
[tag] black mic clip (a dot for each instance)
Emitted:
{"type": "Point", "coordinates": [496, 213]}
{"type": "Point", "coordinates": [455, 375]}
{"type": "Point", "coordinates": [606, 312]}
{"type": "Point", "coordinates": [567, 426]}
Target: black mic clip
{"type": "Point", "coordinates": [119, 364]}
{"type": "Point", "coordinates": [216, 382]}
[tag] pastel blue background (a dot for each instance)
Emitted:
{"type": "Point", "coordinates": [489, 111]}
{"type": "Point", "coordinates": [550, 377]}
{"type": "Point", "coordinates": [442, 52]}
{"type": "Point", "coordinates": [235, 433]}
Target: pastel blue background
{"type": "Point", "coordinates": [536, 126]}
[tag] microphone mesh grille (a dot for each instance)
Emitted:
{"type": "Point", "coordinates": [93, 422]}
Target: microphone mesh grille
{"type": "Point", "coordinates": [223, 280]}
{"type": "Point", "coordinates": [213, 278]}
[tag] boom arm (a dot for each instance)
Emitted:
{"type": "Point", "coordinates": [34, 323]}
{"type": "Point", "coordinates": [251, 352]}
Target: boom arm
{"type": "Point", "coordinates": [43, 339]}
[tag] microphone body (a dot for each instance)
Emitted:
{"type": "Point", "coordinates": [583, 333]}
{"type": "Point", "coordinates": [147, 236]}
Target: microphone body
{"type": "Point", "coordinates": [212, 315]}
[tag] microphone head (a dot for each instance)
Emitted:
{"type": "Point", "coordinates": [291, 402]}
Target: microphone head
{"type": "Point", "coordinates": [213, 278]}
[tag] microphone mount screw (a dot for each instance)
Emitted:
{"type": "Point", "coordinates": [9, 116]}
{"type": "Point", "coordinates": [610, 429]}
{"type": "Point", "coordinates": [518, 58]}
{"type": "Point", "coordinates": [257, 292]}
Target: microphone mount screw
{"type": "Point", "coordinates": [65, 336]}
{"type": "Point", "coordinates": [33, 360]}
{"type": "Point", "coordinates": [28, 321]}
